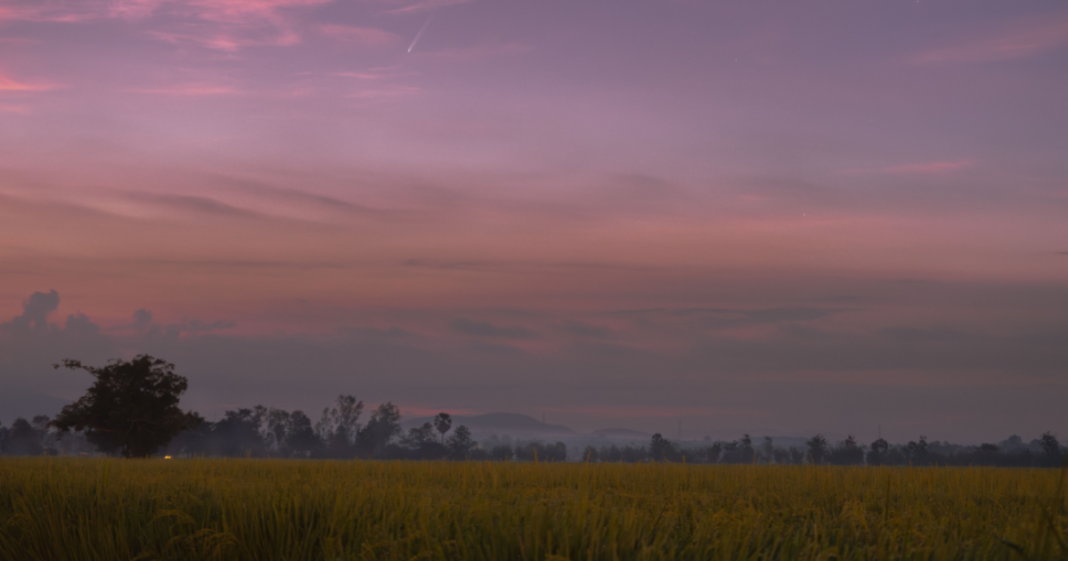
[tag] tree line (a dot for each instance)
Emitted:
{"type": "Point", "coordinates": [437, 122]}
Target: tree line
{"type": "Point", "coordinates": [1044, 451]}
{"type": "Point", "coordinates": [131, 410]}
{"type": "Point", "coordinates": [262, 432]}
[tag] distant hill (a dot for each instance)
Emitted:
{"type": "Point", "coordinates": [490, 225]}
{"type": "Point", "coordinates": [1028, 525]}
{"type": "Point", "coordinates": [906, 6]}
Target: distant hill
{"type": "Point", "coordinates": [512, 424]}
{"type": "Point", "coordinates": [622, 434]}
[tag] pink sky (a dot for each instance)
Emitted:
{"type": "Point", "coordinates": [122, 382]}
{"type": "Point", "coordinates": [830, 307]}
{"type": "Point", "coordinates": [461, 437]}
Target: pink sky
{"type": "Point", "coordinates": [750, 216]}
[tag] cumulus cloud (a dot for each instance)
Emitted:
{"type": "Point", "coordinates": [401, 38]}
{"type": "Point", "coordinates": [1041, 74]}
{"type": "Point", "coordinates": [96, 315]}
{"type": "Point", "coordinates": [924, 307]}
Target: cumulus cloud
{"type": "Point", "coordinates": [142, 319]}
{"type": "Point", "coordinates": [35, 310]}
{"type": "Point", "coordinates": [79, 325]}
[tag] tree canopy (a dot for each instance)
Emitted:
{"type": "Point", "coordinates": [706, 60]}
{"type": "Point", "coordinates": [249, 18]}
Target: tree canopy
{"type": "Point", "coordinates": [131, 409]}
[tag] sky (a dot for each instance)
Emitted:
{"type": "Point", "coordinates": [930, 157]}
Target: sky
{"type": "Point", "coordinates": [766, 217]}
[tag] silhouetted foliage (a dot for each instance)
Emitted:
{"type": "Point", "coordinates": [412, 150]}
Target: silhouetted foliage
{"type": "Point", "coordinates": [23, 438]}
{"type": "Point", "coordinates": [238, 434]}
{"type": "Point", "coordinates": [443, 422]}
{"type": "Point", "coordinates": [1013, 443]}
{"type": "Point", "coordinates": [817, 449]}
{"type": "Point", "coordinates": [421, 444]}
{"type": "Point", "coordinates": [767, 449]}
{"type": "Point", "coordinates": [538, 451]}
{"type": "Point", "coordinates": [1052, 456]}
{"type": "Point", "coordinates": [879, 453]}
{"type": "Point", "coordinates": [916, 453]}
{"type": "Point", "coordinates": [501, 452]}
{"type": "Point", "coordinates": [262, 432]}
{"type": "Point", "coordinates": [712, 453]}
{"type": "Point", "coordinates": [661, 449]}
{"type": "Point", "coordinates": [847, 453]}
{"type": "Point", "coordinates": [301, 441]}
{"type": "Point", "coordinates": [339, 427]}
{"type": "Point", "coordinates": [738, 451]}
{"type": "Point", "coordinates": [384, 424]}
{"type": "Point", "coordinates": [460, 444]}
{"type": "Point", "coordinates": [131, 409]}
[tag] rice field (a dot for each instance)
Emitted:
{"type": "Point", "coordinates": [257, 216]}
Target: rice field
{"type": "Point", "coordinates": [94, 509]}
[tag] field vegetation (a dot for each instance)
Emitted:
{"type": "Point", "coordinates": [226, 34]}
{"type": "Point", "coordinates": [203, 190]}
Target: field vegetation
{"type": "Point", "coordinates": [99, 509]}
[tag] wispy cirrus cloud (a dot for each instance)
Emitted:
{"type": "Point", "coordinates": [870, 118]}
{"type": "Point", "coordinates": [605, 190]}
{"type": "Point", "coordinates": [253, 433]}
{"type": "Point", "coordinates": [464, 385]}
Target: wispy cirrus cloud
{"type": "Point", "coordinates": [385, 93]}
{"type": "Point", "coordinates": [190, 90]}
{"type": "Point", "coordinates": [172, 205]}
{"type": "Point", "coordinates": [227, 25]}
{"type": "Point", "coordinates": [477, 52]}
{"type": "Point", "coordinates": [931, 167]}
{"type": "Point", "coordinates": [216, 24]}
{"type": "Point", "coordinates": [51, 11]}
{"type": "Point", "coordinates": [385, 73]}
{"type": "Point", "coordinates": [18, 41]}
{"type": "Point", "coordinates": [230, 25]}
{"type": "Point", "coordinates": [133, 9]}
{"type": "Point", "coordinates": [8, 84]}
{"type": "Point", "coordinates": [936, 167]}
{"type": "Point", "coordinates": [486, 329]}
{"type": "Point", "coordinates": [378, 83]}
{"type": "Point", "coordinates": [422, 6]}
{"type": "Point", "coordinates": [365, 36]}
{"type": "Point", "coordinates": [251, 22]}
{"type": "Point", "coordinates": [1021, 39]}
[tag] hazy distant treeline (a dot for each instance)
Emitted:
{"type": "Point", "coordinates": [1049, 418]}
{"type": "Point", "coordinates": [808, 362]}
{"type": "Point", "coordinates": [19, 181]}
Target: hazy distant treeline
{"type": "Point", "coordinates": [262, 432]}
{"type": "Point", "coordinates": [1044, 451]}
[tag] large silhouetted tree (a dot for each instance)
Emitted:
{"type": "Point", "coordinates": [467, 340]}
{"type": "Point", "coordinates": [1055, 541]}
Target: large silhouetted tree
{"type": "Point", "coordinates": [131, 409]}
